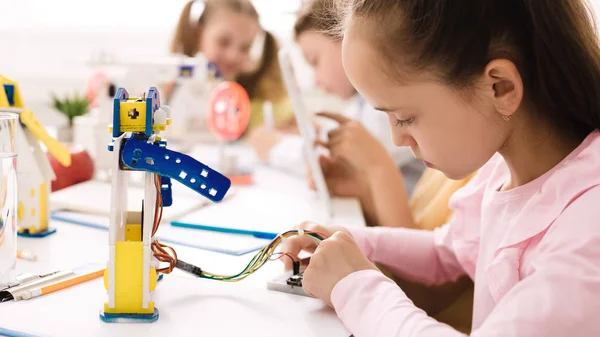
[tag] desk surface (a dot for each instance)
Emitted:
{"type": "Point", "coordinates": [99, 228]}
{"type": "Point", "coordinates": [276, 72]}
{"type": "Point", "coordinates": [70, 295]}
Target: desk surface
{"type": "Point", "coordinates": [188, 306]}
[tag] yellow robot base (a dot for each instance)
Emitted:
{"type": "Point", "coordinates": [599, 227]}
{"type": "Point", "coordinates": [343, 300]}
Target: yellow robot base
{"type": "Point", "coordinates": [129, 255]}
{"type": "Point", "coordinates": [39, 228]}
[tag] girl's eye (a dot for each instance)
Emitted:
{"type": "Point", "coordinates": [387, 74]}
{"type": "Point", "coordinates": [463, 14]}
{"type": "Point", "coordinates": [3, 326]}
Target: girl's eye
{"type": "Point", "coordinates": [223, 42]}
{"type": "Point", "coordinates": [403, 122]}
{"type": "Point", "coordinates": [245, 49]}
{"type": "Point", "coordinates": [315, 61]}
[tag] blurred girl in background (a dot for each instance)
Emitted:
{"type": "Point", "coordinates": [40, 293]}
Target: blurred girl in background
{"type": "Point", "coordinates": [224, 33]}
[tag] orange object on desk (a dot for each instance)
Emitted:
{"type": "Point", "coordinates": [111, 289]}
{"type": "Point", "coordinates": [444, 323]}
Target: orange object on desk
{"type": "Point", "coordinates": [71, 282]}
{"type": "Point", "coordinates": [25, 255]}
{"type": "Point", "coordinates": [77, 278]}
{"type": "Point", "coordinates": [245, 179]}
{"type": "Point", "coordinates": [81, 169]}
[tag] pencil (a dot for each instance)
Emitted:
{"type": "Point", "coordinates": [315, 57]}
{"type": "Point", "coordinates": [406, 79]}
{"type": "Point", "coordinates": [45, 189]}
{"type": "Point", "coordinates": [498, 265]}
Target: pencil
{"type": "Point", "coordinates": [268, 117]}
{"type": "Point", "coordinates": [25, 255]}
{"type": "Point", "coordinates": [60, 285]}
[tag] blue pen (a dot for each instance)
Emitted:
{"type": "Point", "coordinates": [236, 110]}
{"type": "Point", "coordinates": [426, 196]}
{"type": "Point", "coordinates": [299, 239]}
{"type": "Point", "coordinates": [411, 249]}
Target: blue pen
{"type": "Point", "coordinates": [256, 234]}
{"type": "Point", "coordinates": [13, 333]}
{"type": "Point", "coordinates": [260, 235]}
{"type": "Point", "coordinates": [265, 235]}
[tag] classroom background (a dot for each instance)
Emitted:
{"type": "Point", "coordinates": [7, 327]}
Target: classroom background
{"type": "Point", "coordinates": [53, 47]}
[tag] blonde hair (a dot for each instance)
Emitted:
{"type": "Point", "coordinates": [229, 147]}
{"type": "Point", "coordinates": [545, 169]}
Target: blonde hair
{"type": "Point", "coordinates": [318, 16]}
{"type": "Point", "coordinates": [266, 81]}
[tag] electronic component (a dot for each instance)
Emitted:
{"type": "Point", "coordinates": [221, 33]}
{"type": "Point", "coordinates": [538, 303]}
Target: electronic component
{"type": "Point", "coordinates": [295, 267]}
{"type": "Point", "coordinates": [297, 275]}
{"type": "Point", "coordinates": [190, 268]}
{"type": "Point", "coordinates": [296, 280]}
{"type": "Point", "coordinates": [288, 283]}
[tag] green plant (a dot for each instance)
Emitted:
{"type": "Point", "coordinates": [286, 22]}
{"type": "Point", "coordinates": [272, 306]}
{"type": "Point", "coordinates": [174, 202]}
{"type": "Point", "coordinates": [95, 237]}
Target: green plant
{"type": "Point", "coordinates": [71, 106]}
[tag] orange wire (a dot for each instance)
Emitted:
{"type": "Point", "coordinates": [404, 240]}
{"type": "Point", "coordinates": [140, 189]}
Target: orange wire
{"type": "Point", "coordinates": [158, 206]}
{"type": "Point", "coordinates": [160, 253]}
{"type": "Point", "coordinates": [281, 255]}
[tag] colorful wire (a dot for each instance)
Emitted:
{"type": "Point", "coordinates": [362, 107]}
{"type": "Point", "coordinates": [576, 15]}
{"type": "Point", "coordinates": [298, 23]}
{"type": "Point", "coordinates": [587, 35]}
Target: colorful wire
{"type": "Point", "coordinates": [262, 256]}
{"type": "Point", "coordinates": [167, 254]}
{"type": "Point", "coordinates": [160, 250]}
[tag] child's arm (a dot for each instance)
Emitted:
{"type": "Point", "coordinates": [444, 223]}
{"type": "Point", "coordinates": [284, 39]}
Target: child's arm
{"type": "Point", "coordinates": [386, 200]}
{"type": "Point", "coordinates": [415, 255]}
{"type": "Point", "coordinates": [167, 90]}
{"type": "Point", "coordinates": [556, 296]}
{"type": "Point", "coordinates": [264, 140]}
{"type": "Point", "coordinates": [279, 150]}
{"type": "Point", "coordinates": [384, 197]}
{"type": "Point", "coordinates": [287, 155]}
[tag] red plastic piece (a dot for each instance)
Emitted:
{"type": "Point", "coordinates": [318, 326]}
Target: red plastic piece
{"type": "Point", "coordinates": [228, 112]}
{"type": "Point", "coordinates": [81, 169]}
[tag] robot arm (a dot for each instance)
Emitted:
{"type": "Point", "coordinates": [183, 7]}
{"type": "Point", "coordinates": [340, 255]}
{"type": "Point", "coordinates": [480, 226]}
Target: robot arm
{"type": "Point", "coordinates": [135, 254]}
{"type": "Point", "coordinates": [140, 155]}
{"type": "Point", "coordinates": [33, 168]}
{"type": "Point", "coordinates": [58, 150]}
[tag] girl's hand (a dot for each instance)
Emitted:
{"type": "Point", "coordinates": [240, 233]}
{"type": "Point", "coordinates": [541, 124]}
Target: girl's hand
{"type": "Point", "coordinates": [341, 178]}
{"type": "Point", "coordinates": [296, 244]}
{"type": "Point", "coordinates": [335, 258]}
{"type": "Point", "coordinates": [352, 142]}
{"type": "Point", "coordinates": [262, 139]}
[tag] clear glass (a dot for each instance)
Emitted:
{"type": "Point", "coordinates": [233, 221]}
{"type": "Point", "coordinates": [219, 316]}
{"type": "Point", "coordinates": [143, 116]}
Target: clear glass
{"type": "Point", "coordinates": [8, 195]}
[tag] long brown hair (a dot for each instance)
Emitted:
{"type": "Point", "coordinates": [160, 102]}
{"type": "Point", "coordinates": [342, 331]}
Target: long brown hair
{"type": "Point", "coordinates": [265, 82]}
{"type": "Point", "coordinates": [552, 43]}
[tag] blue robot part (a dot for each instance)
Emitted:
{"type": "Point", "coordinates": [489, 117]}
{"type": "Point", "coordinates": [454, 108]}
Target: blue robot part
{"type": "Point", "coordinates": [139, 155]}
{"type": "Point", "coordinates": [212, 67]}
{"type": "Point", "coordinates": [26, 234]}
{"type": "Point", "coordinates": [165, 191]}
{"type": "Point", "coordinates": [129, 318]}
{"type": "Point", "coordinates": [152, 104]}
{"type": "Point", "coordinates": [10, 93]}
{"type": "Point", "coordinates": [121, 96]}
{"type": "Point", "coordinates": [186, 71]}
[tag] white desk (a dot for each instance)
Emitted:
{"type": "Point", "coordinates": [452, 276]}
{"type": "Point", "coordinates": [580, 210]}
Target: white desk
{"type": "Point", "coordinates": [188, 306]}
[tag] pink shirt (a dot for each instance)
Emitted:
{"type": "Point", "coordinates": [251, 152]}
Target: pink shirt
{"type": "Point", "coordinates": [533, 252]}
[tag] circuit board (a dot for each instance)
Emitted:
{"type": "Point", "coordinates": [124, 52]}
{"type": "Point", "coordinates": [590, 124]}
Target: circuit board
{"type": "Point", "coordinates": [288, 283]}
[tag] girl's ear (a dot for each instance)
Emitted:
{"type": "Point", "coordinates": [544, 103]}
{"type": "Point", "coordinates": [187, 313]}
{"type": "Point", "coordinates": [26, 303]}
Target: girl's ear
{"type": "Point", "coordinates": [505, 86]}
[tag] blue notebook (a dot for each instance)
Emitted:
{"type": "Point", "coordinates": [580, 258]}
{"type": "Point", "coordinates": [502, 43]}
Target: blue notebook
{"type": "Point", "coordinates": [215, 241]}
